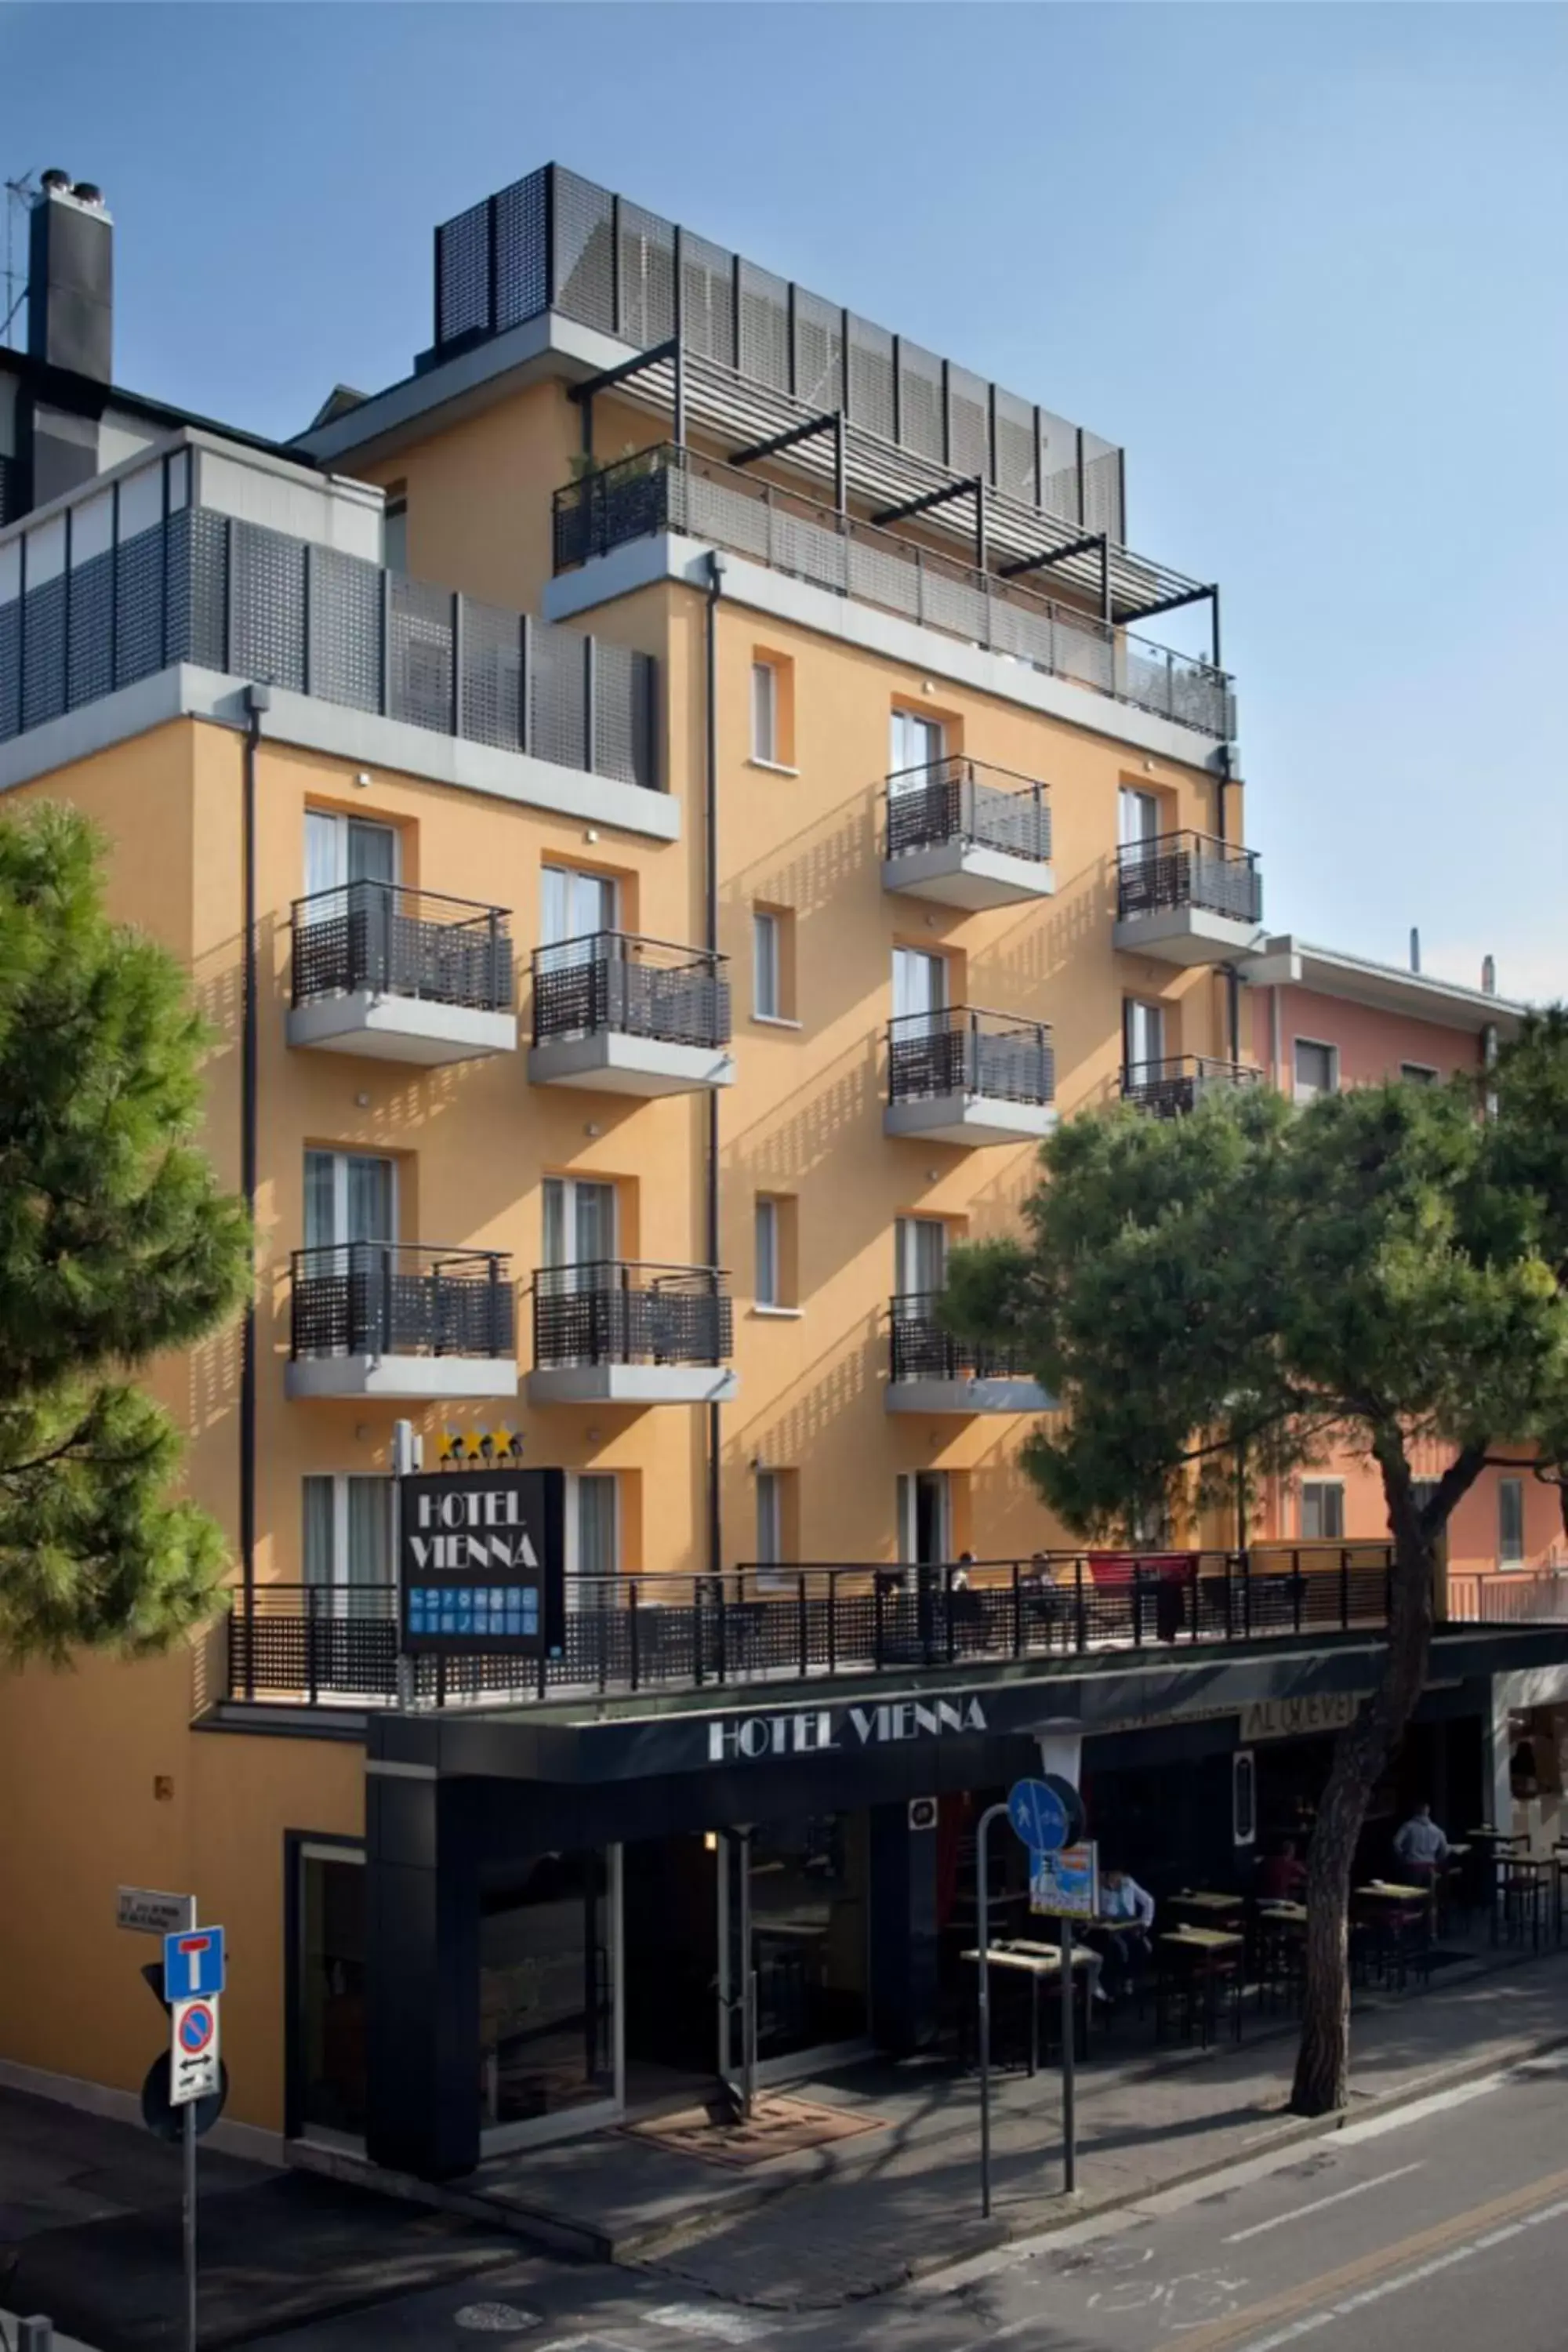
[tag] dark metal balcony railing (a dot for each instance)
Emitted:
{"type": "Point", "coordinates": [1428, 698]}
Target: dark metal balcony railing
{"type": "Point", "coordinates": [635, 987]}
{"type": "Point", "coordinates": [922, 1348]}
{"type": "Point", "coordinates": [249, 602]}
{"type": "Point", "coordinates": [398, 943]}
{"type": "Point", "coordinates": [772, 1625]}
{"type": "Point", "coordinates": [671, 489]}
{"type": "Point", "coordinates": [1188, 869]}
{"type": "Point", "coordinates": [964, 1051]}
{"type": "Point", "coordinates": [964, 801]}
{"type": "Point", "coordinates": [615, 1312]}
{"type": "Point", "coordinates": [1178, 1082]}
{"type": "Point", "coordinates": [393, 1298]}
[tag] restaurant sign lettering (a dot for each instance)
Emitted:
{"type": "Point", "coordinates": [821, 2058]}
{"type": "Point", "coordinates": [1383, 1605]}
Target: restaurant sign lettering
{"type": "Point", "coordinates": [1299, 1718]}
{"type": "Point", "coordinates": [748, 1738]}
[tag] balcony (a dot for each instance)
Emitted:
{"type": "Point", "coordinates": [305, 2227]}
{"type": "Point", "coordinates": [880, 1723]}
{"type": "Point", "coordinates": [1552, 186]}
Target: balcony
{"type": "Point", "coordinates": [615, 1332]}
{"type": "Point", "coordinates": [401, 975]}
{"type": "Point", "coordinates": [965, 1076]}
{"type": "Point", "coordinates": [1179, 1082]}
{"type": "Point", "coordinates": [930, 1371]}
{"type": "Point", "coordinates": [965, 834]}
{"type": "Point", "coordinates": [629, 1016]}
{"type": "Point", "coordinates": [669, 489]}
{"type": "Point", "coordinates": [394, 1320]}
{"type": "Point", "coordinates": [1187, 898]}
{"type": "Point", "coordinates": [204, 587]}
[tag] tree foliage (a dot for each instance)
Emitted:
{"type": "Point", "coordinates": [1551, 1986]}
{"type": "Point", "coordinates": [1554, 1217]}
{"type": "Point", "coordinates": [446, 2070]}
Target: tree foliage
{"type": "Point", "coordinates": [1375, 1271]}
{"type": "Point", "coordinates": [115, 1244]}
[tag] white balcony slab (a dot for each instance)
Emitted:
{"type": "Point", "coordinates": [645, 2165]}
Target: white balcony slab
{"type": "Point", "coordinates": [381, 1028]}
{"type": "Point", "coordinates": [638, 1384]}
{"type": "Point", "coordinates": [437, 1378]}
{"type": "Point", "coordinates": [961, 874]}
{"type": "Point", "coordinates": [611, 1064]}
{"type": "Point", "coordinates": [969, 1119]}
{"type": "Point", "coordinates": [967, 1396]}
{"type": "Point", "coordinates": [1185, 935]}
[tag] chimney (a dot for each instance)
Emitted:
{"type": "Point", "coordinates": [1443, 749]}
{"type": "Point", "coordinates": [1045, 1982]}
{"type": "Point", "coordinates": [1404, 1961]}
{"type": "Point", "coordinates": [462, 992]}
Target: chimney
{"type": "Point", "coordinates": [70, 278]}
{"type": "Point", "coordinates": [1489, 976]}
{"type": "Point", "coordinates": [1415, 949]}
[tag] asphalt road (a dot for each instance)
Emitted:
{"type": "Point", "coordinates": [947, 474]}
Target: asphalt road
{"type": "Point", "coordinates": [1445, 2225]}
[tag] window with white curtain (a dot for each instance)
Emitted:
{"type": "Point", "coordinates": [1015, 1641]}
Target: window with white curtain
{"type": "Point", "coordinates": [767, 1284]}
{"type": "Point", "coordinates": [765, 712]}
{"type": "Point", "coordinates": [772, 1545]}
{"type": "Point", "coordinates": [767, 996]}
{"type": "Point", "coordinates": [1510, 1522]}
{"type": "Point", "coordinates": [343, 849]}
{"type": "Point", "coordinates": [346, 1535]}
{"type": "Point", "coordinates": [350, 1196]}
{"type": "Point", "coordinates": [1322, 1510]}
{"type": "Point", "coordinates": [593, 1535]}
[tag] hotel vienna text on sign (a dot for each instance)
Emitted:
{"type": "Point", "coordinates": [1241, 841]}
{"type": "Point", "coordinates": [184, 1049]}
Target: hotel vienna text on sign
{"type": "Point", "coordinates": [747, 1738]}
{"type": "Point", "coordinates": [480, 1555]}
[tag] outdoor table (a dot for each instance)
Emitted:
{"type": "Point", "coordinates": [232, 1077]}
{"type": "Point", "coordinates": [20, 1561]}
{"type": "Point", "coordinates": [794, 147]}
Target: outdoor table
{"type": "Point", "coordinates": [1218, 1907]}
{"type": "Point", "coordinates": [1040, 1963]}
{"type": "Point", "coordinates": [1203, 1947]}
{"type": "Point", "coordinates": [1284, 1913]}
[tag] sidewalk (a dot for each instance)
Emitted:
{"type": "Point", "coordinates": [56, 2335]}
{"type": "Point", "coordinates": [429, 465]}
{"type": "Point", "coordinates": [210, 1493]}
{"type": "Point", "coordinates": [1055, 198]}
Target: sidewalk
{"type": "Point", "coordinates": [861, 2214]}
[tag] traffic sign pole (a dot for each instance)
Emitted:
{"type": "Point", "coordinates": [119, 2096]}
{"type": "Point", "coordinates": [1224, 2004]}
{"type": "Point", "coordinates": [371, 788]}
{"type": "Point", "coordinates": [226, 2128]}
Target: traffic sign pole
{"type": "Point", "coordinates": [190, 2226]}
{"type": "Point", "coordinates": [1069, 2061]}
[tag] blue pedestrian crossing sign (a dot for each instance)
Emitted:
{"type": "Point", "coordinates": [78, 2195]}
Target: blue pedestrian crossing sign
{"type": "Point", "coordinates": [193, 1964]}
{"type": "Point", "coordinates": [1038, 1815]}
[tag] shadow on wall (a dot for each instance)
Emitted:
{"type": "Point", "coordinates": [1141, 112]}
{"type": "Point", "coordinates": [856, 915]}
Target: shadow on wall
{"type": "Point", "coordinates": [786, 1142]}
{"type": "Point", "coordinates": [812, 871]}
{"type": "Point", "coordinates": [795, 1425]}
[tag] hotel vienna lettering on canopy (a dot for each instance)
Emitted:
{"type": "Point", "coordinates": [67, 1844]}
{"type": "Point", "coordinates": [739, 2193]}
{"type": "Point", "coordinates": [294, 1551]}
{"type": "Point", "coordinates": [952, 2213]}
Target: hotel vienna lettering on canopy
{"type": "Point", "coordinates": [749, 1739]}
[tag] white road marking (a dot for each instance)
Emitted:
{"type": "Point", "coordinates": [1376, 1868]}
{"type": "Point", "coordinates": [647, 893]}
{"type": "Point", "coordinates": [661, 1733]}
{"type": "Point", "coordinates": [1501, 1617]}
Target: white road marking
{"type": "Point", "coordinates": [1350, 2304]}
{"type": "Point", "coordinates": [1417, 2112]}
{"type": "Point", "coordinates": [1300, 2212]}
{"type": "Point", "coordinates": [708, 2319]}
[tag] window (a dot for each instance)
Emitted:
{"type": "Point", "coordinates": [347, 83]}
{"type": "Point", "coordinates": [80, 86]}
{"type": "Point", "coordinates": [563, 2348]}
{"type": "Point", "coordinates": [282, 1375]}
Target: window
{"type": "Point", "coordinates": [775, 1229]}
{"type": "Point", "coordinates": [580, 1232]}
{"type": "Point", "coordinates": [925, 1518]}
{"type": "Point", "coordinates": [1420, 1074]}
{"type": "Point", "coordinates": [346, 1538]}
{"type": "Point", "coordinates": [915, 741]}
{"type": "Point", "coordinates": [1510, 1522]}
{"type": "Point", "coordinates": [1138, 820]}
{"type": "Point", "coordinates": [576, 907]}
{"type": "Point", "coordinates": [920, 1247]}
{"type": "Point", "coordinates": [772, 963]}
{"type": "Point", "coordinates": [395, 528]}
{"type": "Point", "coordinates": [1317, 1070]}
{"type": "Point", "coordinates": [1322, 1510]}
{"type": "Point", "coordinates": [343, 849]}
{"type": "Point", "coordinates": [920, 991]}
{"type": "Point", "coordinates": [1422, 1491]}
{"type": "Point", "coordinates": [592, 1536]}
{"type": "Point", "coordinates": [350, 1196]}
{"type": "Point", "coordinates": [775, 1514]}
{"type": "Point", "coordinates": [1142, 1033]}
{"type": "Point", "coordinates": [765, 712]}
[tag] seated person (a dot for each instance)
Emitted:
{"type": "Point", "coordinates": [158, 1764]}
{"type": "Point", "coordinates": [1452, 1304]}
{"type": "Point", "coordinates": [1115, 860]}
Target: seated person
{"type": "Point", "coordinates": [1282, 1876]}
{"type": "Point", "coordinates": [1121, 1939]}
{"type": "Point", "coordinates": [1420, 1848]}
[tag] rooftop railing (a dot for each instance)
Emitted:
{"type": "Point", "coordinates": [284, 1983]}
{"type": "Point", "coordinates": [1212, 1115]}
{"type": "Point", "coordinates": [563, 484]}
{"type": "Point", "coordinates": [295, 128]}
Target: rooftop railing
{"type": "Point", "coordinates": [393, 1298]}
{"type": "Point", "coordinates": [970, 803]}
{"type": "Point", "coordinates": [632, 987]}
{"type": "Point", "coordinates": [965, 1051]}
{"type": "Point", "coordinates": [252, 603]}
{"type": "Point", "coordinates": [783, 1624]}
{"type": "Point", "coordinates": [393, 941]}
{"type": "Point", "coordinates": [671, 489]}
{"type": "Point", "coordinates": [617, 1311]}
{"type": "Point", "coordinates": [1188, 869]}
{"type": "Point", "coordinates": [1180, 1081]}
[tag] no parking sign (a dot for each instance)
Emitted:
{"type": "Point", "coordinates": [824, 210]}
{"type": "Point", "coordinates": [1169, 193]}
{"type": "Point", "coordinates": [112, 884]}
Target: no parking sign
{"type": "Point", "coordinates": [193, 2050]}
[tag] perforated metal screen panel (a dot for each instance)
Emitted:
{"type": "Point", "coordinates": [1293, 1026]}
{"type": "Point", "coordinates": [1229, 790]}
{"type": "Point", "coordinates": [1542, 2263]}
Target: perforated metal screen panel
{"type": "Point", "coordinates": [871, 377]}
{"type": "Point", "coordinates": [708, 299]}
{"type": "Point", "coordinates": [522, 262]}
{"type": "Point", "coordinates": [764, 327]}
{"type": "Point", "coordinates": [1014, 454]}
{"type": "Point", "coordinates": [491, 710]}
{"type": "Point", "coordinates": [647, 276]}
{"type": "Point", "coordinates": [920, 401]}
{"type": "Point", "coordinates": [584, 261]}
{"type": "Point", "coordinates": [463, 274]}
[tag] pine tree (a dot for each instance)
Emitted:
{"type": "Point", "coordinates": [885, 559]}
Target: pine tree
{"type": "Point", "coordinates": [115, 1244]}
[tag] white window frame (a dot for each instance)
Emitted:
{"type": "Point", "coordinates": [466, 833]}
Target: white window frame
{"type": "Point", "coordinates": [1320, 1488]}
{"type": "Point", "coordinates": [605, 885]}
{"type": "Point", "coordinates": [569, 1188]}
{"type": "Point", "coordinates": [933, 735]}
{"type": "Point", "coordinates": [341, 1161]}
{"type": "Point", "coordinates": [1321, 1045]}
{"type": "Point", "coordinates": [575, 1481]}
{"type": "Point", "coordinates": [1509, 1559]}
{"type": "Point", "coordinates": [765, 713]}
{"type": "Point", "coordinates": [766, 1239]}
{"type": "Point", "coordinates": [905, 1249]}
{"type": "Point", "coordinates": [336, 825]}
{"type": "Point", "coordinates": [908, 1516]}
{"type": "Point", "coordinates": [1140, 818]}
{"type": "Point", "coordinates": [339, 1579]}
{"type": "Point", "coordinates": [767, 964]}
{"type": "Point", "coordinates": [1153, 1011]}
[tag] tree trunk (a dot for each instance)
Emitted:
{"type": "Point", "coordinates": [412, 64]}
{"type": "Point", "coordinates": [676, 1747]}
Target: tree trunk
{"type": "Point", "coordinates": [1322, 2062]}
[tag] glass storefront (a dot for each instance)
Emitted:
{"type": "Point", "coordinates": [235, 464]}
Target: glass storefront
{"type": "Point", "coordinates": [809, 1896]}
{"type": "Point", "coordinates": [547, 1989]}
{"type": "Point", "coordinates": [330, 2054]}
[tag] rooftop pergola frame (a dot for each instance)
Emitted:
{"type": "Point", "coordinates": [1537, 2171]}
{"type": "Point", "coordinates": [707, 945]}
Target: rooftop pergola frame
{"type": "Point", "coordinates": [754, 423]}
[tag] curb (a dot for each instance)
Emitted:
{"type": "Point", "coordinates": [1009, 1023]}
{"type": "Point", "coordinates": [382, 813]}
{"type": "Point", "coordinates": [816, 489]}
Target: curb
{"type": "Point", "coordinates": [990, 2237]}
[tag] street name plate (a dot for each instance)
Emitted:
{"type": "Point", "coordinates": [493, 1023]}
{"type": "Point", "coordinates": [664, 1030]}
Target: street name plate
{"type": "Point", "coordinates": [146, 1912]}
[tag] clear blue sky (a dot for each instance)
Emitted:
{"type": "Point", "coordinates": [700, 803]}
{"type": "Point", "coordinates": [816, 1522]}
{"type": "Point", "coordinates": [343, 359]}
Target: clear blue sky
{"type": "Point", "coordinates": [1307, 263]}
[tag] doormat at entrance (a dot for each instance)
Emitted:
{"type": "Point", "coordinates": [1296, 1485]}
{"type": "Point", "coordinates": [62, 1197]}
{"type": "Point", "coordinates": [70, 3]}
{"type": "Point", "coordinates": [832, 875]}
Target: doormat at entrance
{"type": "Point", "coordinates": [778, 2127]}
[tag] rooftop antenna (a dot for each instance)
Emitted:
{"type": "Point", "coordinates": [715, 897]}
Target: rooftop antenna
{"type": "Point", "coordinates": [19, 195]}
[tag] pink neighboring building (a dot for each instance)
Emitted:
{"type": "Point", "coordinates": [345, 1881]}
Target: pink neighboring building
{"type": "Point", "coordinates": [1323, 1020]}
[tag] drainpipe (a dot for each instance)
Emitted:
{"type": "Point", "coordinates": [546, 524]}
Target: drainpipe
{"type": "Point", "coordinates": [258, 700]}
{"type": "Point", "coordinates": [716, 562]}
{"type": "Point", "coordinates": [1232, 1010]}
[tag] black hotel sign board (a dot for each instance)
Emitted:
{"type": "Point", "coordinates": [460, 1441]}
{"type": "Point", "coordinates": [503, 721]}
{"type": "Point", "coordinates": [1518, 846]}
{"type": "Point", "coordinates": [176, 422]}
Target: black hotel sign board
{"type": "Point", "coordinates": [480, 1563]}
